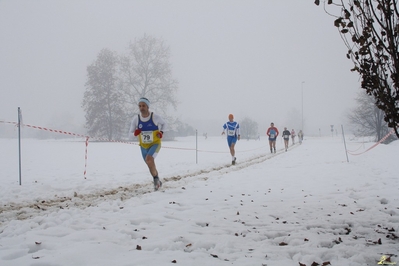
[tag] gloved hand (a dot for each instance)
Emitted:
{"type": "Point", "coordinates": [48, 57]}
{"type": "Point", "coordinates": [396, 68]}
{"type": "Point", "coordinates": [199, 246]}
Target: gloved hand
{"type": "Point", "coordinates": [137, 132]}
{"type": "Point", "coordinates": [160, 134]}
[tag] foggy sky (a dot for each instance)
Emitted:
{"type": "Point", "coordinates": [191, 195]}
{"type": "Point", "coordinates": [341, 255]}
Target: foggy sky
{"type": "Point", "coordinates": [247, 57]}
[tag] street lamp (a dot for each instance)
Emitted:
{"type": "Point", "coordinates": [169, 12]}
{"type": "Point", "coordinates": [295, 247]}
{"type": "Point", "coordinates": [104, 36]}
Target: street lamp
{"type": "Point", "coordinates": [302, 102]}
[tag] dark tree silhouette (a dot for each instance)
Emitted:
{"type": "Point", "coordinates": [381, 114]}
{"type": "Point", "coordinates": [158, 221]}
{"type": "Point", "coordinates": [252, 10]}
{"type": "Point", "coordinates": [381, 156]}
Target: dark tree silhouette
{"type": "Point", "coordinates": [370, 30]}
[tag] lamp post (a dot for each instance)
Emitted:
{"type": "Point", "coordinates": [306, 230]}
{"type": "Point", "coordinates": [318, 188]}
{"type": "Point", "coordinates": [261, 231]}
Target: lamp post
{"type": "Point", "coordinates": [302, 102]}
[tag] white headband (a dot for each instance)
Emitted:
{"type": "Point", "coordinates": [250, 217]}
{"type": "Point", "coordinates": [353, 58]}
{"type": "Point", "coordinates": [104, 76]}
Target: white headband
{"type": "Point", "coordinates": [145, 100]}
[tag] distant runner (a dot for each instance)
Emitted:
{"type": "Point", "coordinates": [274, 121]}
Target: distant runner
{"type": "Point", "coordinates": [293, 136]}
{"type": "Point", "coordinates": [300, 136]}
{"type": "Point", "coordinates": [232, 130]}
{"type": "Point", "coordinates": [286, 137]}
{"type": "Point", "coordinates": [272, 132]}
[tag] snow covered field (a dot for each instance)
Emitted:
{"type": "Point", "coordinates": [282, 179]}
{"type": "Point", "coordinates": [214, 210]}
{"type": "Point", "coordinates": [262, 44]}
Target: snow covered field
{"type": "Point", "coordinates": [307, 206]}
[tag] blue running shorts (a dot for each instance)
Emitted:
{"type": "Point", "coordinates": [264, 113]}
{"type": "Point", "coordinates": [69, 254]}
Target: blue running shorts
{"type": "Point", "coordinates": [231, 140]}
{"type": "Point", "coordinates": [152, 151]}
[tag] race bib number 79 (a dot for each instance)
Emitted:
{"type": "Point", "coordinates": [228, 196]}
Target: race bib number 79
{"type": "Point", "coordinates": [147, 137]}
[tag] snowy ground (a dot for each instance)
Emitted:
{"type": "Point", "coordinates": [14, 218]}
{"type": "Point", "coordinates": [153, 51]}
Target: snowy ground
{"type": "Point", "coordinates": [307, 206]}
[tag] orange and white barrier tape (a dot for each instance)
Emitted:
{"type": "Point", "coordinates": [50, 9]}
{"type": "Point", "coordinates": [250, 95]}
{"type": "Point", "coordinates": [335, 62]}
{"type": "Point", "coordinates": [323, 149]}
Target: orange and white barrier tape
{"type": "Point", "coordinates": [57, 131]}
{"type": "Point", "coordinates": [376, 144]}
{"type": "Point", "coordinates": [107, 140]}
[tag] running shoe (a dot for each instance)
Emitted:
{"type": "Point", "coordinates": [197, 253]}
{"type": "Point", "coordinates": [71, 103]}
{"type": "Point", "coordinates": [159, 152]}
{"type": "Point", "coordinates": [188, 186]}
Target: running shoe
{"type": "Point", "coordinates": [157, 183]}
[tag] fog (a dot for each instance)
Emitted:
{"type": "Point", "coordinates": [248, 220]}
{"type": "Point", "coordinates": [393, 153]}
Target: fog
{"type": "Point", "coordinates": [266, 60]}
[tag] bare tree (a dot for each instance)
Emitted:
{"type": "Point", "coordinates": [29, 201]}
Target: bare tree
{"type": "Point", "coordinates": [102, 102]}
{"type": "Point", "coordinates": [147, 72]}
{"type": "Point", "coordinates": [178, 128]}
{"type": "Point", "coordinates": [248, 128]}
{"type": "Point", "coordinates": [367, 118]}
{"type": "Point", "coordinates": [370, 30]}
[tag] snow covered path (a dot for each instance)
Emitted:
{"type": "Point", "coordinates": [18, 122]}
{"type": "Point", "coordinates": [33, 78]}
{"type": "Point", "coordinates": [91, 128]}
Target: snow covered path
{"type": "Point", "coordinates": [304, 206]}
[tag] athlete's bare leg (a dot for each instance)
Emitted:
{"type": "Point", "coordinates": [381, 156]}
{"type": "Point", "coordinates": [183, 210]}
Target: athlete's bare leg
{"type": "Point", "coordinates": [232, 151]}
{"type": "Point", "coordinates": [274, 146]}
{"type": "Point", "coordinates": [149, 160]}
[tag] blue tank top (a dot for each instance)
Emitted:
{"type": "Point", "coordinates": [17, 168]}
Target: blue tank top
{"type": "Point", "coordinates": [148, 136]}
{"type": "Point", "coordinates": [147, 126]}
{"type": "Point", "coordinates": [272, 134]}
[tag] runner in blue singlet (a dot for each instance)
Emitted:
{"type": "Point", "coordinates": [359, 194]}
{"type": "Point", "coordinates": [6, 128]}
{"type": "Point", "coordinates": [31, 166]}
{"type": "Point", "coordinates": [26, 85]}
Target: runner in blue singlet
{"type": "Point", "coordinates": [232, 130]}
{"type": "Point", "coordinates": [148, 128]}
